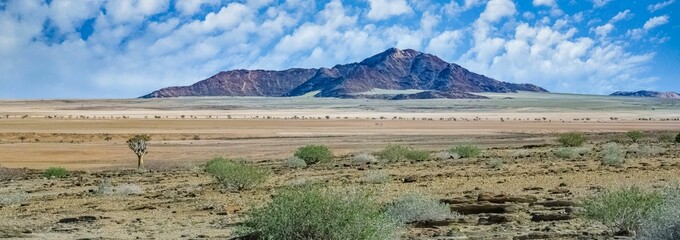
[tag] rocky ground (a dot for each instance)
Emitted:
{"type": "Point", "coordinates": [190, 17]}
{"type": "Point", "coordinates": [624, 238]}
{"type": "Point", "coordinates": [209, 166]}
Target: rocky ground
{"type": "Point", "coordinates": [518, 192]}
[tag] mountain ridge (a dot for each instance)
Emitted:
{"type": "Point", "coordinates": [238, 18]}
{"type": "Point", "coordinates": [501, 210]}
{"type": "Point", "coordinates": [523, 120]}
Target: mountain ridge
{"type": "Point", "coordinates": [647, 93]}
{"type": "Point", "coordinates": [393, 69]}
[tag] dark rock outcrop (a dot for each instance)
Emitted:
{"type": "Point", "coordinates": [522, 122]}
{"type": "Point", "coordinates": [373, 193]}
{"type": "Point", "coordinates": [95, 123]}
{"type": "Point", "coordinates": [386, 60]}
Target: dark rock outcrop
{"type": "Point", "coordinates": [393, 69]}
{"type": "Point", "coordinates": [651, 94]}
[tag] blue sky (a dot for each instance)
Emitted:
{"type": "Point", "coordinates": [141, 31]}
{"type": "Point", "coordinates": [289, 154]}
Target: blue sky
{"type": "Point", "coordinates": [127, 48]}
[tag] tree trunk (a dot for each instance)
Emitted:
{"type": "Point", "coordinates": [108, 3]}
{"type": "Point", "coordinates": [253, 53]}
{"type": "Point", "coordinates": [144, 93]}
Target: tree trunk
{"type": "Point", "coordinates": [140, 161]}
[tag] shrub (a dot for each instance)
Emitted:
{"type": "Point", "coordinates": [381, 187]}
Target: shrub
{"type": "Point", "coordinates": [314, 153]}
{"type": "Point", "coordinates": [55, 172]}
{"type": "Point", "coordinates": [677, 138]}
{"type": "Point", "coordinates": [313, 213]}
{"type": "Point", "coordinates": [364, 158]}
{"type": "Point", "coordinates": [613, 154]}
{"type": "Point", "coordinates": [235, 175]}
{"type": "Point", "coordinates": [645, 151]}
{"type": "Point", "coordinates": [571, 152]}
{"type": "Point", "coordinates": [393, 153]}
{"type": "Point", "coordinates": [444, 155]}
{"type": "Point", "coordinates": [417, 155]}
{"type": "Point", "coordinates": [375, 177]}
{"type": "Point", "coordinates": [294, 162]}
{"type": "Point", "coordinates": [572, 139]}
{"type": "Point", "coordinates": [466, 151]}
{"type": "Point", "coordinates": [622, 210]}
{"type": "Point", "coordinates": [663, 223]}
{"type": "Point", "coordinates": [414, 207]}
{"type": "Point", "coordinates": [635, 135]}
{"type": "Point", "coordinates": [495, 164]}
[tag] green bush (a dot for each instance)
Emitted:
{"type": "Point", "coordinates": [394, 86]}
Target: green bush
{"type": "Point", "coordinates": [572, 139]}
{"type": "Point", "coordinates": [663, 223]}
{"type": "Point", "coordinates": [414, 207]}
{"type": "Point", "coordinates": [466, 151]}
{"type": "Point", "coordinates": [314, 153]}
{"type": "Point", "coordinates": [55, 172]}
{"type": "Point", "coordinates": [394, 153]}
{"type": "Point", "coordinates": [294, 162]}
{"type": "Point", "coordinates": [635, 135]}
{"type": "Point", "coordinates": [312, 213]}
{"type": "Point", "coordinates": [622, 210]}
{"type": "Point", "coordinates": [376, 177]}
{"type": "Point", "coordinates": [571, 152]}
{"type": "Point", "coordinates": [677, 138]}
{"type": "Point", "coordinates": [418, 155]}
{"type": "Point", "coordinates": [235, 175]}
{"type": "Point", "coordinates": [613, 154]}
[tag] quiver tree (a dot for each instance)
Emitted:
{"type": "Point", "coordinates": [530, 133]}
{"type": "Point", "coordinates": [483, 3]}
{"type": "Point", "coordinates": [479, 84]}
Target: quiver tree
{"type": "Point", "coordinates": [138, 145]}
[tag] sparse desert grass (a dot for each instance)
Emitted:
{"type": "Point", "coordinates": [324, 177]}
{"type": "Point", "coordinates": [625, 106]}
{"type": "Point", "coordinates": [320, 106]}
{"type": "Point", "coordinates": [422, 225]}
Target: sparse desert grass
{"type": "Point", "coordinates": [313, 154]}
{"type": "Point", "coordinates": [622, 210]}
{"type": "Point", "coordinates": [645, 150]}
{"type": "Point", "coordinates": [235, 175]}
{"type": "Point", "coordinates": [12, 198]}
{"type": "Point", "coordinates": [466, 151]}
{"type": "Point", "coordinates": [55, 172]}
{"type": "Point", "coordinates": [364, 158]}
{"type": "Point", "coordinates": [376, 177]}
{"type": "Point", "coordinates": [314, 213]}
{"type": "Point", "coordinates": [416, 207]}
{"type": "Point", "coordinates": [105, 188]}
{"type": "Point", "coordinates": [294, 162]}
{"type": "Point", "coordinates": [572, 139]}
{"type": "Point", "coordinates": [663, 222]}
{"type": "Point", "coordinates": [613, 154]}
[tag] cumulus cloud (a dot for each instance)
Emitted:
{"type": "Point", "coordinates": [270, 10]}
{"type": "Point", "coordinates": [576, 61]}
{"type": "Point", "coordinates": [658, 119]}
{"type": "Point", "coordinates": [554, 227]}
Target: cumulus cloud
{"type": "Point", "coordinates": [127, 48]}
{"type": "Point", "coordinates": [659, 6]}
{"type": "Point", "coordinates": [384, 9]}
{"type": "Point", "coordinates": [600, 3]}
{"type": "Point", "coordinates": [655, 22]}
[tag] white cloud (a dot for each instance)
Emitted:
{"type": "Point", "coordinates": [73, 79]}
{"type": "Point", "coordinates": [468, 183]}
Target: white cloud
{"type": "Point", "coordinates": [133, 11]}
{"type": "Point", "coordinates": [497, 9]}
{"type": "Point", "coordinates": [191, 7]}
{"type": "Point", "coordinates": [445, 44]}
{"type": "Point", "coordinates": [621, 16]}
{"type": "Point", "coordinates": [549, 3]}
{"type": "Point", "coordinates": [655, 22]}
{"type": "Point", "coordinates": [604, 30]}
{"type": "Point", "coordinates": [659, 6]}
{"type": "Point", "coordinates": [384, 9]}
{"type": "Point", "coordinates": [600, 3]}
{"type": "Point", "coordinates": [453, 8]}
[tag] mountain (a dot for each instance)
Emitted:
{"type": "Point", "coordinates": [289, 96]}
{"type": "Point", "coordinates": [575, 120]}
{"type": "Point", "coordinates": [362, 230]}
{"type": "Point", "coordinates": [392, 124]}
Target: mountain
{"type": "Point", "coordinates": [652, 94]}
{"type": "Point", "coordinates": [394, 69]}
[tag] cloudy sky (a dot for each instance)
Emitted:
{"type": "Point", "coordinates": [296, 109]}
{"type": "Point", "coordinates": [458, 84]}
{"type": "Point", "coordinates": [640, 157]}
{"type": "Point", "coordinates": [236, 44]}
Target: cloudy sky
{"type": "Point", "coordinates": [127, 48]}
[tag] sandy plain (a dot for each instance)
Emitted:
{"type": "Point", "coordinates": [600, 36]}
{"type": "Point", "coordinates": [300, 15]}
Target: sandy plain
{"type": "Point", "coordinates": [179, 201]}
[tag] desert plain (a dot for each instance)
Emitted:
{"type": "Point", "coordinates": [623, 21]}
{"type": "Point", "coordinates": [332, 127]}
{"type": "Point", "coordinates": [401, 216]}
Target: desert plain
{"type": "Point", "coordinates": [516, 189]}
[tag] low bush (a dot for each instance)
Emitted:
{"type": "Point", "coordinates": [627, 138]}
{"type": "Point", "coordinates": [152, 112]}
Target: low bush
{"type": "Point", "coordinates": [622, 210]}
{"type": "Point", "coordinates": [55, 172]}
{"type": "Point", "coordinates": [645, 150]}
{"type": "Point", "coordinates": [677, 138]}
{"type": "Point", "coordinates": [418, 155]}
{"type": "Point", "coordinates": [235, 175]}
{"type": "Point", "coordinates": [376, 177]}
{"type": "Point", "coordinates": [613, 154]}
{"type": "Point", "coordinates": [364, 158]}
{"type": "Point", "coordinates": [444, 155]}
{"type": "Point", "coordinates": [663, 223]}
{"type": "Point", "coordinates": [312, 213]}
{"type": "Point", "coordinates": [396, 153]}
{"type": "Point", "coordinates": [294, 162]}
{"type": "Point", "coordinates": [314, 154]}
{"type": "Point", "coordinates": [414, 207]}
{"type": "Point", "coordinates": [466, 151]}
{"type": "Point", "coordinates": [571, 152]}
{"type": "Point", "coordinates": [572, 139]}
{"type": "Point", "coordinates": [495, 164]}
{"type": "Point", "coordinates": [635, 135]}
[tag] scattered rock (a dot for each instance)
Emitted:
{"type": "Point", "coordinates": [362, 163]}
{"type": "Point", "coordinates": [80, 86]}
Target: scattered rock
{"type": "Point", "coordinates": [550, 216]}
{"type": "Point", "coordinates": [78, 219]}
{"type": "Point", "coordinates": [484, 208]}
{"type": "Point", "coordinates": [505, 198]}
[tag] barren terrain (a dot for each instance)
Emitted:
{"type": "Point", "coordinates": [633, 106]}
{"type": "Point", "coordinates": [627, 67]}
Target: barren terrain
{"type": "Point", "coordinates": [532, 194]}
